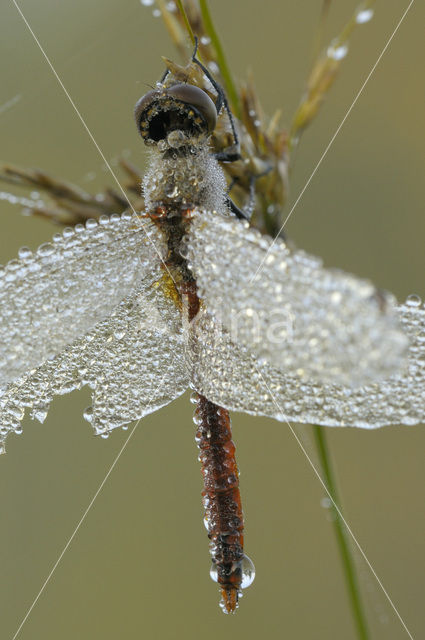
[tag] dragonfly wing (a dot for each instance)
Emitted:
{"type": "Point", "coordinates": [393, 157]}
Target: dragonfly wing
{"type": "Point", "coordinates": [50, 298]}
{"type": "Point", "coordinates": [132, 360]}
{"type": "Point", "coordinates": [231, 376]}
{"type": "Point", "coordinates": [308, 321]}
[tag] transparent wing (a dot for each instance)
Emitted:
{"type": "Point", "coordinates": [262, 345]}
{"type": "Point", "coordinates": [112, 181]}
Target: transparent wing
{"type": "Point", "coordinates": [231, 376]}
{"type": "Point", "coordinates": [133, 360]}
{"type": "Point", "coordinates": [306, 320]}
{"type": "Point", "coordinates": [50, 298]}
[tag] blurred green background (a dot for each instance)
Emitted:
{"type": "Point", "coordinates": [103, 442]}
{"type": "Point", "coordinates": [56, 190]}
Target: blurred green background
{"type": "Point", "coordinates": [138, 566]}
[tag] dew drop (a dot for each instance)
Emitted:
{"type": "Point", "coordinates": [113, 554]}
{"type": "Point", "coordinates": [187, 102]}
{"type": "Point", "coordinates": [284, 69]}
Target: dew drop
{"type": "Point", "coordinates": [91, 223]}
{"type": "Point", "coordinates": [147, 3]}
{"type": "Point", "coordinates": [213, 67]}
{"type": "Point", "coordinates": [45, 250]}
{"type": "Point", "coordinates": [68, 232]}
{"type": "Point", "coordinates": [364, 15]}
{"type": "Point", "coordinates": [337, 52]}
{"type": "Point", "coordinates": [88, 414]}
{"type": "Point", "coordinates": [214, 572]}
{"type": "Point", "coordinates": [413, 300]}
{"type": "Point", "coordinates": [326, 502]}
{"type": "Point", "coordinates": [248, 572]}
{"type": "Point", "coordinates": [40, 414]}
{"type": "Point", "coordinates": [24, 253]}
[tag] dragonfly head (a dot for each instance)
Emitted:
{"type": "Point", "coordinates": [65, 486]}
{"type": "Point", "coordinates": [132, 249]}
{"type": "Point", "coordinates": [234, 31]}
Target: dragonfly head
{"type": "Point", "coordinates": [180, 107]}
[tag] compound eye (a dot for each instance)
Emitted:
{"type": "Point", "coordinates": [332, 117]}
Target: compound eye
{"type": "Point", "coordinates": [181, 107]}
{"type": "Point", "coordinates": [199, 100]}
{"type": "Point", "coordinates": [142, 106]}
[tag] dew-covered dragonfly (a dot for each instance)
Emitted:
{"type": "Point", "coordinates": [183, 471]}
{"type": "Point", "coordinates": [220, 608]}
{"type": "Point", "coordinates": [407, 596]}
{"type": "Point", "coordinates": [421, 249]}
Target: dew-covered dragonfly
{"type": "Point", "coordinates": [140, 307]}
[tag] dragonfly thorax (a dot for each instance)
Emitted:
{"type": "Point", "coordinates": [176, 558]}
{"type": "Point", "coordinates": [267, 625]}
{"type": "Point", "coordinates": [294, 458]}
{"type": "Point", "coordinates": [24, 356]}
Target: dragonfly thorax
{"type": "Point", "coordinates": [176, 182]}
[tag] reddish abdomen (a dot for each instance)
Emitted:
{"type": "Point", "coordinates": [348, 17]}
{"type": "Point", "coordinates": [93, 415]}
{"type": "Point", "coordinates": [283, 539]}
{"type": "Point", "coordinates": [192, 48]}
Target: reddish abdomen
{"type": "Point", "coordinates": [221, 497]}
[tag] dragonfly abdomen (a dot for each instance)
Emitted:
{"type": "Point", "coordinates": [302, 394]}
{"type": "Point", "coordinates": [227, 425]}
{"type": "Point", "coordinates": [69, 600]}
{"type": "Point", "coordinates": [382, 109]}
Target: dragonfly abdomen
{"type": "Point", "coordinates": [221, 498]}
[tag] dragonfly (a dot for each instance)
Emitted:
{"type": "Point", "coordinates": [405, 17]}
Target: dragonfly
{"type": "Point", "coordinates": [185, 294]}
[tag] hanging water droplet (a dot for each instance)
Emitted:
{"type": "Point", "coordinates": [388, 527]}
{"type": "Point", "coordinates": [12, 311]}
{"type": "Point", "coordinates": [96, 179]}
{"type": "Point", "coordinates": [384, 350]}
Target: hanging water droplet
{"type": "Point", "coordinates": [40, 414]}
{"type": "Point", "coordinates": [364, 15]}
{"type": "Point", "coordinates": [214, 572]}
{"type": "Point", "coordinates": [88, 414]}
{"type": "Point", "coordinates": [248, 572]}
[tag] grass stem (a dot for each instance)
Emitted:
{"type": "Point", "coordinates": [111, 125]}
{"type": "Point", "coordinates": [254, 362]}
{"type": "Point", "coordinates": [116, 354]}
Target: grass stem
{"type": "Point", "coordinates": [341, 536]}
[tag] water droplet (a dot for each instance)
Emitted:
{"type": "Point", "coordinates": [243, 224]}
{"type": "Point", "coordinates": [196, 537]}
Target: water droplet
{"type": "Point", "coordinates": [413, 300]}
{"type": "Point", "coordinates": [337, 52]}
{"type": "Point", "coordinates": [213, 67]}
{"type": "Point", "coordinates": [326, 502]}
{"type": "Point", "coordinates": [40, 414]}
{"type": "Point", "coordinates": [147, 3]}
{"type": "Point", "coordinates": [68, 232]}
{"type": "Point", "coordinates": [24, 253]}
{"type": "Point", "coordinates": [214, 572]}
{"type": "Point", "coordinates": [364, 15]}
{"type": "Point", "coordinates": [88, 414]}
{"type": "Point", "coordinates": [46, 249]}
{"type": "Point", "coordinates": [205, 40]}
{"type": "Point", "coordinates": [91, 223]}
{"type": "Point", "coordinates": [248, 572]}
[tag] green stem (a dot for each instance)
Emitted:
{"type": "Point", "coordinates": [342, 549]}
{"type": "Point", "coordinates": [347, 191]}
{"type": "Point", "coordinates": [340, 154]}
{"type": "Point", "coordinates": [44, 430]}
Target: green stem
{"type": "Point", "coordinates": [341, 536]}
{"type": "Point", "coordinates": [186, 20]}
{"type": "Point", "coordinates": [221, 58]}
